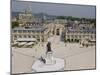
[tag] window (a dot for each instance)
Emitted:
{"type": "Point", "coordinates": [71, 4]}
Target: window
{"type": "Point", "coordinates": [24, 36]}
{"type": "Point", "coordinates": [33, 36]}
{"type": "Point", "coordinates": [79, 36]}
{"type": "Point", "coordinates": [15, 36]}
{"type": "Point", "coordinates": [29, 36]}
{"type": "Point", "coordinates": [15, 31]}
{"type": "Point", "coordinates": [29, 31]}
{"type": "Point", "coordinates": [83, 36]}
{"type": "Point", "coordinates": [91, 37]}
{"type": "Point", "coordinates": [19, 31]}
{"type": "Point", "coordinates": [23, 31]}
{"type": "Point", "coordinates": [72, 36]}
{"type": "Point", "coordinates": [75, 36]}
{"type": "Point", "coordinates": [20, 36]}
{"type": "Point", "coordinates": [68, 36]}
{"type": "Point", "coordinates": [32, 31]}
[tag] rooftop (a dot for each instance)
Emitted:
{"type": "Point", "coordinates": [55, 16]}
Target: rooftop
{"type": "Point", "coordinates": [40, 29]}
{"type": "Point", "coordinates": [82, 30]}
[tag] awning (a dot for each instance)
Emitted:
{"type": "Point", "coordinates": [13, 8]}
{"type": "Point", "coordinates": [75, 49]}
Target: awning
{"type": "Point", "coordinates": [26, 39]}
{"type": "Point", "coordinates": [21, 43]}
{"type": "Point", "coordinates": [30, 43]}
{"type": "Point", "coordinates": [15, 43]}
{"type": "Point", "coordinates": [92, 40]}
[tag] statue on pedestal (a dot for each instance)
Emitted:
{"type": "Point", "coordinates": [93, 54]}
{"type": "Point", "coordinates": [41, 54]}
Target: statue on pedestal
{"type": "Point", "coordinates": [48, 59]}
{"type": "Point", "coordinates": [48, 47]}
{"type": "Point", "coordinates": [47, 62]}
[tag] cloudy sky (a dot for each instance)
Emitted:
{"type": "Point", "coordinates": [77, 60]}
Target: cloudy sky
{"type": "Point", "coordinates": [55, 9]}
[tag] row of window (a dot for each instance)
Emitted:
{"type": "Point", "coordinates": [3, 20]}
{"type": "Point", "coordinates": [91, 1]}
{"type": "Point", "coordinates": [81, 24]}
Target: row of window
{"type": "Point", "coordinates": [25, 31]}
{"type": "Point", "coordinates": [24, 36]}
{"type": "Point", "coordinates": [87, 32]}
{"type": "Point", "coordinates": [79, 36]}
{"type": "Point", "coordinates": [27, 36]}
{"type": "Point", "coordinates": [33, 24]}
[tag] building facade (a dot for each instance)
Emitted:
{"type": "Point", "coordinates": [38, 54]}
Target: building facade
{"type": "Point", "coordinates": [80, 32]}
{"type": "Point", "coordinates": [41, 29]}
{"type": "Point", "coordinates": [41, 34]}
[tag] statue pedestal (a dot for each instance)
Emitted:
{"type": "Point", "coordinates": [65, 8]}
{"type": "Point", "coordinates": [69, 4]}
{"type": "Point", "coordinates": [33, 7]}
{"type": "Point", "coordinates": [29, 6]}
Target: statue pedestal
{"type": "Point", "coordinates": [51, 64]}
{"type": "Point", "coordinates": [49, 58]}
{"type": "Point", "coordinates": [39, 66]}
{"type": "Point", "coordinates": [48, 63]}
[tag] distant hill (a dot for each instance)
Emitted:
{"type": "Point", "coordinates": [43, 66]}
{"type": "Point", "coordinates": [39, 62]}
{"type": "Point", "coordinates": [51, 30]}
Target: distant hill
{"type": "Point", "coordinates": [38, 15]}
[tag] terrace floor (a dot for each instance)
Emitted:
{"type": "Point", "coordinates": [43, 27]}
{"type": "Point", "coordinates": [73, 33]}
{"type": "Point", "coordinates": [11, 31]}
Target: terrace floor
{"type": "Point", "coordinates": [75, 57]}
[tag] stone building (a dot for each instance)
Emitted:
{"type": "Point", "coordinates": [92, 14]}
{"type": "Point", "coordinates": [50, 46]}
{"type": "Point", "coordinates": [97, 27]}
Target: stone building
{"type": "Point", "coordinates": [56, 27]}
{"type": "Point", "coordinates": [80, 32]}
{"type": "Point", "coordinates": [40, 33]}
{"type": "Point", "coordinates": [41, 29]}
{"type": "Point", "coordinates": [26, 17]}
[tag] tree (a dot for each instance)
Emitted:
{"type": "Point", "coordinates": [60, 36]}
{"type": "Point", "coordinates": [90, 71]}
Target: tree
{"type": "Point", "coordinates": [15, 24]}
{"type": "Point", "coordinates": [61, 17]}
{"type": "Point", "coordinates": [68, 40]}
{"type": "Point", "coordinates": [93, 21]}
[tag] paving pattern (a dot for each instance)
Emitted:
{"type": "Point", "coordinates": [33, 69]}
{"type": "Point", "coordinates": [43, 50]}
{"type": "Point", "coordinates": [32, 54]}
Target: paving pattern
{"type": "Point", "coordinates": [75, 57]}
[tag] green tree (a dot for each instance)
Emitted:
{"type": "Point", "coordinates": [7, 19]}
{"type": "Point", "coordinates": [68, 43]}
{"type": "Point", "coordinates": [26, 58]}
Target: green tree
{"type": "Point", "coordinates": [61, 17]}
{"type": "Point", "coordinates": [15, 24]}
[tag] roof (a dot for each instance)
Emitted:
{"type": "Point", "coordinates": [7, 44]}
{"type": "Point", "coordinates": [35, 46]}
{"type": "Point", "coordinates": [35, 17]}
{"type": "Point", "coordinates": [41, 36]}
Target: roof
{"type": "Point", "coordinates": [82, 30]}
{"type": "Point", "coordinates": [36, 28]}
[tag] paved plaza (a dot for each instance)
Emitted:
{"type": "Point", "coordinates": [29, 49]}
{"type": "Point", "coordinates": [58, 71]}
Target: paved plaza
{"type": "Point", "coordinates": [75, 56]}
